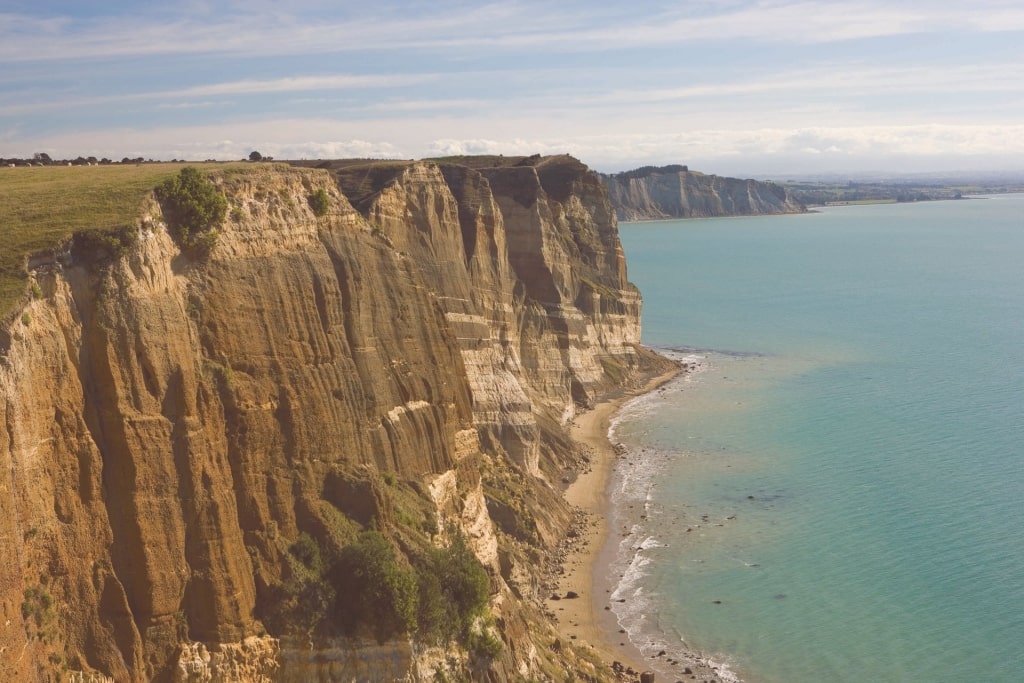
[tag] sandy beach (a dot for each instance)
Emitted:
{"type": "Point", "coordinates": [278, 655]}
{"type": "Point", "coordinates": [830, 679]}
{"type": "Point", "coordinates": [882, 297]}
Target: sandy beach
{"type": "Point", "coordinates": [585, 620]}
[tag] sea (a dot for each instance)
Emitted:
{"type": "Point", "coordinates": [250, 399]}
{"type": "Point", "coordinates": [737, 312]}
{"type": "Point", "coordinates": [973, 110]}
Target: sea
{"type": "Point", "coordinates": [835, 492]}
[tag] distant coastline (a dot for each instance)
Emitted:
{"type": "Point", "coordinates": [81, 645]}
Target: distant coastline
{"type": "Point", "coordinates": [675, 192]}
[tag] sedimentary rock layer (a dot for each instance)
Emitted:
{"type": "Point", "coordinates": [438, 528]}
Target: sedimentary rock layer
{"type": "Point", "coordinates": [172, 422]}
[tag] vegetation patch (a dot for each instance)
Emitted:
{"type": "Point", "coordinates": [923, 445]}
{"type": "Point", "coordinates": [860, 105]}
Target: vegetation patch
{"type": "Point", "coordinates": [107, 244]}
{"type": "Point", "coordinates": [319, 202]}
{"type": "Point", "coordinates": [375, 589]}
{"type": "Point", "coordinates": [193, 208]}
{"type": "Point", "coordinates": [506, 494]}
{"type": "Point", "coordinates": [453, 592]}
{"type": "Point", "coordinates": [371, 587]}
{"type": "Point", "coordinates": [645, 171]}
{"type": "Point", "coordinates": [614, 370]}
{"type": "Point", "coordinates": [37, 605]}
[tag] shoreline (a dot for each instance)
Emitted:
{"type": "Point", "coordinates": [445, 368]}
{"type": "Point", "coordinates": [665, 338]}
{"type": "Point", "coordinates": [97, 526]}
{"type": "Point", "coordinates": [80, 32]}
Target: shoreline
{"type": "Point", "coordinates": [587, 620]}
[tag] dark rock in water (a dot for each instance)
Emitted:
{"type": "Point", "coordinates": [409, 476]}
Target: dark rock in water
{"type": "Point", "coordinates": [555, 596]}
{"type": "Point", "coordinates": [571, 595]}
{"type": "Point", "coordinates": [779, 596]}
{"type": "Point", "coordinates": [662, 653]}
{"type": "Point", "coordinates": [687, 670]}
{"type": "Point", "coordinates": [647, 677]}
{"type": "Point", "coordinates": [716, 602]}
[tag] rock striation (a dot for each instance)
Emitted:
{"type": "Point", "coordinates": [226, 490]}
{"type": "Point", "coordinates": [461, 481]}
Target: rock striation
{"type": "Point", "coordinates": [653, 193]}
{"type": "Point", "coordinates": [172, 424]}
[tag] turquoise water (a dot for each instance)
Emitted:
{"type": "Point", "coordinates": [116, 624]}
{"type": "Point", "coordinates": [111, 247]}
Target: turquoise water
{"type": "Point", "coordinates": [837, 493]}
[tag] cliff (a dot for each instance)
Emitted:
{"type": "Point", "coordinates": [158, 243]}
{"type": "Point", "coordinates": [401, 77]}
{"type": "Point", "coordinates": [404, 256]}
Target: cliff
{"type": "Point", "coordinates": [676, 192]}
{"type": "Point", "coordinates": [190, 439]}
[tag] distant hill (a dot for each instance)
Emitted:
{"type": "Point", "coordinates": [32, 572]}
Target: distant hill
{"type": "Point", "coordinates": [652, 193]}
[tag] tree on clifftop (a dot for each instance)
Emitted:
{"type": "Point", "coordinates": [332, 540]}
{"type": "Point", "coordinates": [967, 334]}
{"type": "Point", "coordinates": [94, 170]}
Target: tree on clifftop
{"type": "Point", "coordinates": [255, 156]}
{"type": "Point", "coordinates": [193, 207]}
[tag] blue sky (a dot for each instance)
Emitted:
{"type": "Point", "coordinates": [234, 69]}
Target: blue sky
{"type": "Point", "coordinates": [741, 87]}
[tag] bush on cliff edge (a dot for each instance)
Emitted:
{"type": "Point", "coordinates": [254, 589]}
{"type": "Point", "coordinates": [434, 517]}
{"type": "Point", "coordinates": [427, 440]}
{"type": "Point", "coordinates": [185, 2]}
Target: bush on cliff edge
{"type": "Point", "coordinates": [193, 207]}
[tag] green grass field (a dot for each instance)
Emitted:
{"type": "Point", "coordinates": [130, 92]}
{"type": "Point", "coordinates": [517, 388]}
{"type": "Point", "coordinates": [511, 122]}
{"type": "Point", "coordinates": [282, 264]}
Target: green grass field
{"type": "Point", "coordinates": [42, 206]}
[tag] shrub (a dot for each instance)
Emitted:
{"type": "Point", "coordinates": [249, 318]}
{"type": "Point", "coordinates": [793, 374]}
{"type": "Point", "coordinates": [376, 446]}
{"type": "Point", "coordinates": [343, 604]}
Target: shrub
{"type": "Point", "coordinates": [111, 243]}
{"type": "Point", "coordinates": [454, 591]}
{"type": "Point", "coordinates": [374, 588]}
{"type": "Point", "coordinates": [319, 202]}
{"type": "Point", "coordinates": [37, 605]}
{"type": "Point", "coordinates": [303, 602]}
{"type": "Point", "coordinates": [367, 587]}
{"type": "Point", "coordinates": [307, 551]}
{"type": "Point", "coordinates": [485, 644]}
{"type": "Point", "coordinates": [193, 208]}
{"type": "Point", "coordinates": [299, 605]}
{"type": "Point", "coordinates": [464, 580]}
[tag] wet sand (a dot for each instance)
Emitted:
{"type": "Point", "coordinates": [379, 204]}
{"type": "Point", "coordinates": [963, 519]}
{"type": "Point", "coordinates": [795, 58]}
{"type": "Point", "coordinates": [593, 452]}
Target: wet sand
{"type": "Point", "coordinates": [584, 620]}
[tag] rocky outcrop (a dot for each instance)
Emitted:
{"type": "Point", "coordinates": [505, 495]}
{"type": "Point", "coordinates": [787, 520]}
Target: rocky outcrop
{"type": "Point", "coordinates": [173, 423]}
{"type": "Point", "coordinates": [676, 192]}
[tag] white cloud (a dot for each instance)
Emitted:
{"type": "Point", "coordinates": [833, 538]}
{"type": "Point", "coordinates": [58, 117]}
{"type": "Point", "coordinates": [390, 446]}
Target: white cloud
{"type": "Point", "coordinates": [298, 84]}
{"type": "Point", "coordinates": [497, 26]}
{"type": "Point", "coordinates": [736, 151]}
{"type": "Point", "coordinates": [514, 147]}
{"type": "Point", "coordinates": [336, 82]}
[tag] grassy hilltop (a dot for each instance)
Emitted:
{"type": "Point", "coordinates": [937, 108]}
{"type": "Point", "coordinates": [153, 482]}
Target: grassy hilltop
{"type": "Point", "coordinates": [40, 207]}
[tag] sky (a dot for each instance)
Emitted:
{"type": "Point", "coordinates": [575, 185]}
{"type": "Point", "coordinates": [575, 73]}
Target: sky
{"type": "Point", "coordinates": [755, 88]}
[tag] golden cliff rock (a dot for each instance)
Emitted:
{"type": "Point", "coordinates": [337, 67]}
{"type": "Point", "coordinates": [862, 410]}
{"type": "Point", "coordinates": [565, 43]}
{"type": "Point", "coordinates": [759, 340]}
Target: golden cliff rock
{"type": "Point", "coordinates": [174, 425]}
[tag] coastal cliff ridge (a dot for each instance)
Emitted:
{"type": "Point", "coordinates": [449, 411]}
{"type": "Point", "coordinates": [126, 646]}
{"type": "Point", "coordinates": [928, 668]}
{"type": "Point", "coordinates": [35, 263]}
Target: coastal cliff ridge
{"type": "Point", "coordinates": [365, 360]}
{"type": "Point", "coordinates": [668, 192]}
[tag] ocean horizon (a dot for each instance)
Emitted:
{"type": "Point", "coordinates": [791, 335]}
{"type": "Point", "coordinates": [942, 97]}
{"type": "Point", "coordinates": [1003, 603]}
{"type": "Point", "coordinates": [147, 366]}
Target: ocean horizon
{"type": "Point", "coordinates": [837, 491]}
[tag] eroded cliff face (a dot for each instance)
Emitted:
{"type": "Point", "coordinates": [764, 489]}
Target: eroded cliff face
{"type": "Point", "coordinates": [662, 193]}
{"type": "Point", "coordinates": [171, 424]}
